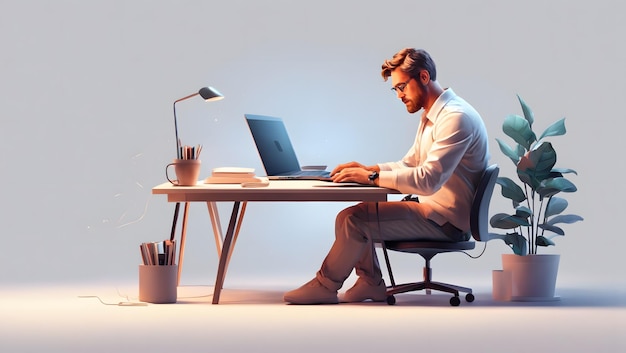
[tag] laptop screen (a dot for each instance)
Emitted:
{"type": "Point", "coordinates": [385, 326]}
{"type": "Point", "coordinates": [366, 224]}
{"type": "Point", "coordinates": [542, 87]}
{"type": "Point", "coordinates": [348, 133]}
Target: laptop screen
{"type": "Point", "coordinates": [272, 142]}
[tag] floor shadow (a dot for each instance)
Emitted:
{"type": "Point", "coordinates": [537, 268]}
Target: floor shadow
{"type": "Point", "coordinates": [568, 297]}
{"type": "Point", "coordinates": [204, 295]}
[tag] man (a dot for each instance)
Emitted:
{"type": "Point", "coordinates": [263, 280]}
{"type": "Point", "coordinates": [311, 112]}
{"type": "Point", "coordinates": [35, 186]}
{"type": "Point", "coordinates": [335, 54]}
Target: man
{"type": "Point", "coordinates": [443, 167]}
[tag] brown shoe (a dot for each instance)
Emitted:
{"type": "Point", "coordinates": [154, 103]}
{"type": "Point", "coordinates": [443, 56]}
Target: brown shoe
{"type": "Point", "coordinates": [312, 292]}
{"type": "Point", "coordinates": [362, 291]}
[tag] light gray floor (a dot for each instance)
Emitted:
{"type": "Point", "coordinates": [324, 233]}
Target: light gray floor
{"type": "Point", "coordinates": [254, 319]}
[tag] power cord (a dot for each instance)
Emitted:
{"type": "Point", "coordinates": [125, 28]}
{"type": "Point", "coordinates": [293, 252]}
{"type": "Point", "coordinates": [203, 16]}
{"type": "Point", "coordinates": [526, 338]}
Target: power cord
{"type": "Point", "coordinates": [116, 304]}
{"type": "Point", "coordinates": [479, 255]}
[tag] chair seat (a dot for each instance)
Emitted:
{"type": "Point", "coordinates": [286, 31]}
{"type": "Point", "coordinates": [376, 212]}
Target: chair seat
{"type": "Point", "coordinates": [418, 246]}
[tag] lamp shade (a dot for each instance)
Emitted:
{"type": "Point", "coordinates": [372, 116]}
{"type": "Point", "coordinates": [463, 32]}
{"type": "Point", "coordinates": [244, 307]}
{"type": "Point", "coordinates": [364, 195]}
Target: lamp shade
{"type": "Point", "coordinates": [210, 94]}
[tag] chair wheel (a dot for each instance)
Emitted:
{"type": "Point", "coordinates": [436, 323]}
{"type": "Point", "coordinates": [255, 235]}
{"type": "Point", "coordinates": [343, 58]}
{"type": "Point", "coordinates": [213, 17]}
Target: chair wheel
{"type": "Point", "coordinates": [469, 297]}
{"type": "Point", "coordinates": [391, 300]}
{"type": "Point", "coordinates": [455, 301]}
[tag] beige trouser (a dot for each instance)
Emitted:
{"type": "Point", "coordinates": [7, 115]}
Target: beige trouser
{"type": "Point", "coordinates": [359, 227]}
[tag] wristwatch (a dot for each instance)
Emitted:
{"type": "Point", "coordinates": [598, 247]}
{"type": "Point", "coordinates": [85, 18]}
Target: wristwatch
{"type": "Point", "coordinates": [373, 177]}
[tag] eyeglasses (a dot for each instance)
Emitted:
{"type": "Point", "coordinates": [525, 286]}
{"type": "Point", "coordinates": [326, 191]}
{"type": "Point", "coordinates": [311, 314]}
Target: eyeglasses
{"type": "Point", "coordinates": [401, 86]}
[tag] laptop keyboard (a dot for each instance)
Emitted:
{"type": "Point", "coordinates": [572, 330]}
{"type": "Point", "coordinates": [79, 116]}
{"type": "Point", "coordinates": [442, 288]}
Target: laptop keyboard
{"type": "Point", "coordinates": [312, 172]}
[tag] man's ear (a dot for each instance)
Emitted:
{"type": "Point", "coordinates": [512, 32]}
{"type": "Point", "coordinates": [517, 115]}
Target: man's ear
{"type": "Point", "coordinates": [424, 77]}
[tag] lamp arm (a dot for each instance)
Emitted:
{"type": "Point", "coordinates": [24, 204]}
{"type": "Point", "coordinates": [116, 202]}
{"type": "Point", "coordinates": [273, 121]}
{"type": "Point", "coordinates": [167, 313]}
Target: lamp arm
{"type": "Point", "coordinates": [178, 152]}
{"type": "Point", "coordinates": [189, 96]}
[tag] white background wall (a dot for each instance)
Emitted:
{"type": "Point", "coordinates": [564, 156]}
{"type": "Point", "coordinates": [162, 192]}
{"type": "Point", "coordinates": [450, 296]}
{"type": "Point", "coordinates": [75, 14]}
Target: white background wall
{"type": "Point", "coordinates": [86, 93]}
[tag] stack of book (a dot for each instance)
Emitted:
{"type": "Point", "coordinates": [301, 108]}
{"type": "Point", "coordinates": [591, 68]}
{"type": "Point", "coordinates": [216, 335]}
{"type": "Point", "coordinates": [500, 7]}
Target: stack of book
{"type": "Point", "coordinates": [232, 175]}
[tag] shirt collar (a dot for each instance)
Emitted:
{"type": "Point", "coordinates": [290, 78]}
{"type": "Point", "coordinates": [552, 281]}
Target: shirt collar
{"type": "Point", "coordinates": [438, 105]}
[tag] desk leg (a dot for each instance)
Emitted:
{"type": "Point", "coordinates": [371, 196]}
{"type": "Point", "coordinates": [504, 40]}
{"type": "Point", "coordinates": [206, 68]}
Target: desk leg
{"type": "Point", "coordinates": [183, 237]}
{"type": "Point", "coordinates": [235, 236]}
{"type": "Point", "coordinates": [173, 233]}
{"type": "Point", "coordinates": [217, 227]}
{"type": "Point", "coordinates": [225, 253]}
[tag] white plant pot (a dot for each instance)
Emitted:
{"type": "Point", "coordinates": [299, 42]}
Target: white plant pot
{"type": "Point", "coordinates": [533, 277]}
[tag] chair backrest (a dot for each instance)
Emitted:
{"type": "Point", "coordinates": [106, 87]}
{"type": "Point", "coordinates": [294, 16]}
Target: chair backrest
{"type": "Point", "coordinates": [479, 215]}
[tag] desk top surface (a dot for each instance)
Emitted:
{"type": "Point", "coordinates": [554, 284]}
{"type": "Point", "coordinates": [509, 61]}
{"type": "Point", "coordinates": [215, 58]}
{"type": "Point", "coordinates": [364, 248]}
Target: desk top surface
{"type": "Point", "coordinates": [277, 190]}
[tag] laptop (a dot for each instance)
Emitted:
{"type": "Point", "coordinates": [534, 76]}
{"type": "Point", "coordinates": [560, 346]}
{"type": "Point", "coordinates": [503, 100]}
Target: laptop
{"type": "Point", "coordinates": [276, 151]}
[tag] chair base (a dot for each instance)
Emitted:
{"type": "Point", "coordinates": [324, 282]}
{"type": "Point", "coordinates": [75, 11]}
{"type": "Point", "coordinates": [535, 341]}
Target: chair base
{"type": "Point", "coordinates": [439, 286]}
{"type": "Point", "coordinates": [427, 285]}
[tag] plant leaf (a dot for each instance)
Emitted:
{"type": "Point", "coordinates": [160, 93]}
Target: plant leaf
{"type": "Point", "coordinates": [523, 212]}
{"type": "Point", "coordinates": [505, 221]}
{"type": "Point", "coordinates": [519, 130]}
{"type": "Point", "coordinates": [543, 241]}
{"type": "Point", "coordinates": [536, 165]}
{"type": "Point", "coordinates": [566, 218]}
{"type": "Point", "coordinates": [518, 243]}
{"type": "Point", "coordinates": [551, 228]}
{"type": "Point", "coordinates": [511, 190]}
{"type": "Point", "coordinates": [556, 129]}
{"type": "Point", "coordinates": [508, 151]}
{"type": "Point", "coordinates": [520, 151]}
{"type": "Point", "coordinates": [528, 113]}
{"type": "Point", "coordinates": [553, 186]}
{"type": "Point", "coordinates": [556, 205]}
{"type": "Point", "coordinates": [563, 171]}
{"type": "Point", "coordinates": [544, 157]}
{"type": "Point", "coordinates": [502, 221]}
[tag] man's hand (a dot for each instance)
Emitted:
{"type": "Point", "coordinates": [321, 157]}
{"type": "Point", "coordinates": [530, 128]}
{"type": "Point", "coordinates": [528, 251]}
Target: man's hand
{"type": "Point", "coordinates": [341, 167]}
{"type": "Point", "coordinates": [352, 174]}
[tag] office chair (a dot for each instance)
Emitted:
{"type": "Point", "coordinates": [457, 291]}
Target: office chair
{"type": "Point", "coordinates": [479, 222]}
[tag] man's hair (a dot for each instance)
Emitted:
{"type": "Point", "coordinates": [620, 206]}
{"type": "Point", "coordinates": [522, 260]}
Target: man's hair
{"type": "Point", "coordinates": [410, 61]}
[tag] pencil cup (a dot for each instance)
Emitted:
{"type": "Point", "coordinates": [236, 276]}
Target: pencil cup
{"type": "Point", "coordinates": [502, 285]}
{"type": "Point", "coordinates": [158, 283]}
{"type": "Point", "coordinates": [187, 172]}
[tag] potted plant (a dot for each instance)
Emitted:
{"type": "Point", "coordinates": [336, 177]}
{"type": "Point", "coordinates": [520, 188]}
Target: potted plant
{"type": "Point", "coordinates": [537, 210]}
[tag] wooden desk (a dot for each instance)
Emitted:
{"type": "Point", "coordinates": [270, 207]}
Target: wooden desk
{"type": "Point", "coordinates": [283, 190]}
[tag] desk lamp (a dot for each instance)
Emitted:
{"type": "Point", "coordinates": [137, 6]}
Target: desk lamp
{"type": "Point", "coordinates": [209, 94]}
